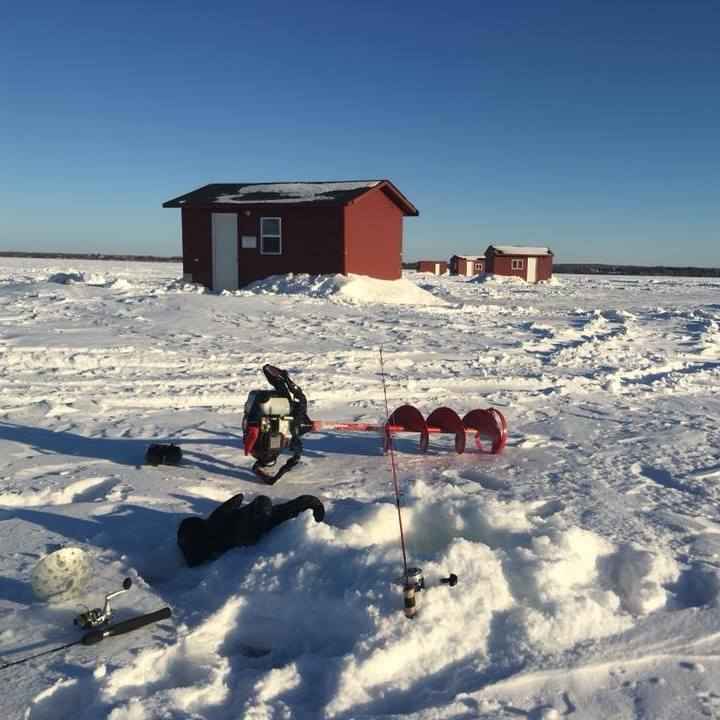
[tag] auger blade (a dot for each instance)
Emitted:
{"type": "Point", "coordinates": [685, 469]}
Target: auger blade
{"type": "Point", "coordinates": [411, 420]}
{"type": "Point", "coordinates": [446, 420]}
{"type": "Point", "coordinates": [489, 423]}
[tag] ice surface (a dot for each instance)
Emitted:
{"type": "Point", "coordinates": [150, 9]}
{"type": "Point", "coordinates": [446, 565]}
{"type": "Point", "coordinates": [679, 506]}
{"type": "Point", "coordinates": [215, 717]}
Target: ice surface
{"type": "Point", "coordinates": [588, 554]}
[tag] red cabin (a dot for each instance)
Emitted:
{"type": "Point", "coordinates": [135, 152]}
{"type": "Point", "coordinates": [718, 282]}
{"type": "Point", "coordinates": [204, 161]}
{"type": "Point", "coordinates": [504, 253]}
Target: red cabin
{"type": "Point", "coordinates": [529, 263]}
{"type": "Point", "coordinates": [467, 264]}
{"type": "Point", "coordinates": [437, 267]}
{"type": "Point", "coordinates": [235, 233]}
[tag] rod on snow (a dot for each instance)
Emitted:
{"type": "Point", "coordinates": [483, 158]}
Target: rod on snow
{"type": "Point", "coordinates": [92, 637]}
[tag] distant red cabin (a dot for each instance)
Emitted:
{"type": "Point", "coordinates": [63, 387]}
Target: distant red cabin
{"type": "Point", "coordinates": [467, 264]}
{"type": "Point", "coordinates": [529, 263]}
{"type": "Point", "coordinates": [233, 234]}
{"type": "Point", "coordinates": [437, 267]}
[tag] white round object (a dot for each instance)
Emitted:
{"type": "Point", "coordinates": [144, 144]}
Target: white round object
{"type": "Point", "coordinates": [61, 574]}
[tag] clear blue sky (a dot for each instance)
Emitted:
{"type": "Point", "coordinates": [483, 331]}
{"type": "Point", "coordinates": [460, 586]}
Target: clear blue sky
{"type": "Point", "coordinates": [591, 127]}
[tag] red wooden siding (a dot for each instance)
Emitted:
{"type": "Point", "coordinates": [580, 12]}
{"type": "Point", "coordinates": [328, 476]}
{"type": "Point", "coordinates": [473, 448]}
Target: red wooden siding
{"type": "Point", "coordinates": [197, 252]}
{"type": "Point", "coordinates": [373, 236]}
{"type": "Point", "coordinates": [502, 265]}
{"type": "Point", "coordinates": [311, 241]}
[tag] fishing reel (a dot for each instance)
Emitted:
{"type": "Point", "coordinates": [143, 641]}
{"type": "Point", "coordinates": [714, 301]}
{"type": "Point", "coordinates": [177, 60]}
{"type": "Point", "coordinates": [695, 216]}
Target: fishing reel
{"type": "Point", "coordinates": [413, 582]}
{"type": "Point", "coordinates": [100, 616]}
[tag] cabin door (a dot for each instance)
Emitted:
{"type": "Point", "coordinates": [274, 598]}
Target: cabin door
{"type": "Point", "coordinates": [532, 269]}
{"type": "Point", "coordinates": [225, 251]}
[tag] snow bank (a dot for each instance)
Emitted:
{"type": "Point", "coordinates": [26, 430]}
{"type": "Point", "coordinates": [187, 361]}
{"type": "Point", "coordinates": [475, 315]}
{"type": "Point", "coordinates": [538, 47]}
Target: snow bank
{"type": "Point", "coordinates": [75, 277]}
{"type": "Point", "coordinates": [353, 288]}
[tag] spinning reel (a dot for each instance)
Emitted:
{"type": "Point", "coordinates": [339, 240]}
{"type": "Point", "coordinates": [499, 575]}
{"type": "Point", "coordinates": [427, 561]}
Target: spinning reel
{"type": "Point", "coordinates": [100, 616]}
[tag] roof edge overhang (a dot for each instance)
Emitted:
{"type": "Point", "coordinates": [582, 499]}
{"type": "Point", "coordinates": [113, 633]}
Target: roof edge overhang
{"type": "Point", "coordinates": [398, 198]}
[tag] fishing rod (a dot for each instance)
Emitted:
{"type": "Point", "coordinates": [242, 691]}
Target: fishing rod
{"type": "Point", "coordinates": [92, 637]}
{"type": "Point", "coordinates": [412, 580]}
{"type": "Point", "coordinates": [408, 587]}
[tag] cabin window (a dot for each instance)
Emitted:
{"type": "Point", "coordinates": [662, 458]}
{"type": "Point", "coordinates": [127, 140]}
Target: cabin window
{"type": "Point", "coordinates": [270, 236]}
{"type": "Point", "coordinates": [518, 264]}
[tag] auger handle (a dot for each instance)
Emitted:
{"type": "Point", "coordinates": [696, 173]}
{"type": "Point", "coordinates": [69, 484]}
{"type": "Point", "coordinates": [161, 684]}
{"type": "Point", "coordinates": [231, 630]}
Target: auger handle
{"type": "Point", "coordinates": [126, 626]}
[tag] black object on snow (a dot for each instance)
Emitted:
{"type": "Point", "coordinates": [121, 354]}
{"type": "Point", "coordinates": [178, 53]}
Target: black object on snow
{"type": "Point", "coordinates": [158, 454]}
{"type": "Point", "coordinates": [234, 524]}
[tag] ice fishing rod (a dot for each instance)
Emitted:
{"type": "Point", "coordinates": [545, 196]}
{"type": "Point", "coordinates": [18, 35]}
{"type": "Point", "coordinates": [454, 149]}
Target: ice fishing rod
{"type": "Point", "coordinates": [412, 580]}
{"type": "Point", "coordinates": [92, 637]}
{"type": "Point", "coordinates": [408, 587]}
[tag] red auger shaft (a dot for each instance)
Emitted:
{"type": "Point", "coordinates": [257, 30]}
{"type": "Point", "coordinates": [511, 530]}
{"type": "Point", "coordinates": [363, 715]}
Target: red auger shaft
{"type": "Point", "coordinates": [489, 423]}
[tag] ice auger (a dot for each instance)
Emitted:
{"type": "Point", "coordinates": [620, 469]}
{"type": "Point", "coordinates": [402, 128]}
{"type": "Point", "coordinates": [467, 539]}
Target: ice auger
{"type": "Point", "coordinates": [276, 419]}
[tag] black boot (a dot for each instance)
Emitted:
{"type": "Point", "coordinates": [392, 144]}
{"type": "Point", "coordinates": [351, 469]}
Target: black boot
{"type": "Point", "coordinates": [195, 541]}
{"type": "Point", "coordinates": [221, 515]}
{"type": "Point", "coordinates": [292, 508]}
{"type": "Point", "coordinates": [248, 524]}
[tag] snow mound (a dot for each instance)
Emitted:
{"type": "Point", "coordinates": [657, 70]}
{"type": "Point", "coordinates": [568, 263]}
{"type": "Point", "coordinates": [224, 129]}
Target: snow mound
{"type": "Point", "coordinates": [496, 279]}
{"type": "Point", "coordinates": [351, 288]}
{"type": "Point", "coordinates": [183, 286]}
{"type": "Point", "coordinates": [73, 277]}
{"type": "Point", "coordinates": [67, 278]}
{"type": "Point", "coordinates": [121, 284]}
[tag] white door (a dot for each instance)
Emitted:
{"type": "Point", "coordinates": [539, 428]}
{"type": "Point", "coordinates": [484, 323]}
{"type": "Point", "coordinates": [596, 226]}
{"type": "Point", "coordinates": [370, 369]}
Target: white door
{"type": "Point", "coordinates": [532, 269]}
{"type": "Point", "coordinates": [437, 268]}
{"type": "Point", "coordinates": [468, 267]}
{"type": "Point", "coordinates": [225, 251]}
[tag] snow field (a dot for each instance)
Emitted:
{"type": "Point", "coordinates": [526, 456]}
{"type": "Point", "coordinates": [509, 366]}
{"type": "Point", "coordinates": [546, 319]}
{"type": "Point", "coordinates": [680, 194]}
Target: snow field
{"type": "Point", "coordinates": [588, 553]}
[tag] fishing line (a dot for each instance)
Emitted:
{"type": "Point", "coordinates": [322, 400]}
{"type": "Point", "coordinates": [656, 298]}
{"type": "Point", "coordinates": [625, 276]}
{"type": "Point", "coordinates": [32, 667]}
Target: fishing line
{"type": "Point", "coordinates": [408, 589]}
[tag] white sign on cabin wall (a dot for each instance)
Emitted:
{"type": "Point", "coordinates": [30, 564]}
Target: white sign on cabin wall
{"type": "Point", "coordinates": [248, 242]}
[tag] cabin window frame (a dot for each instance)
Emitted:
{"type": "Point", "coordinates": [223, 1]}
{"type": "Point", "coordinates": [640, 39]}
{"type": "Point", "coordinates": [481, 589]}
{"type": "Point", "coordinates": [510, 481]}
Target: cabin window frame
{"type": "Point", "coordinates": [271, 236]}
{"type": "Point", "coordinates": [517, 264]}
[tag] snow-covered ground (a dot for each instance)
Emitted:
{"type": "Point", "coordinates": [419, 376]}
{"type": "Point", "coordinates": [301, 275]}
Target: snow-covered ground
{"type": "Point", "coordinates": [588, 553]}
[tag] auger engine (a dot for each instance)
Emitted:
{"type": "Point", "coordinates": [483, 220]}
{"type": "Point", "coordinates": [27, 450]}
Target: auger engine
{"type": "Point", "coordinates": [274, 420]}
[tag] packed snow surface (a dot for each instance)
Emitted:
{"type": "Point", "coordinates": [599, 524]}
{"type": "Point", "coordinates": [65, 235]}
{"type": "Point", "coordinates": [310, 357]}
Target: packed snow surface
{"type": "Point", "coordinates": [588, 553]}
{"type": "Point", "coordinates": [521, 250]}
{"type": "Point", "coordinates": [292, 191]}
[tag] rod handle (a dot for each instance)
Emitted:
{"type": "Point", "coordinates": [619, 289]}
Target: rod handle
{"type": "Point", "coordinates": [126, 626]}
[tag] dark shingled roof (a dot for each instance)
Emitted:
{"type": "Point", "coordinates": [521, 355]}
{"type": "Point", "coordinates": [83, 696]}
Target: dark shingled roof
{"type": "Point", "coordinates": [339, 192]}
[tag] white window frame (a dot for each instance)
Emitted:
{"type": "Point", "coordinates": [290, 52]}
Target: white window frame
{"type": "Point", "coordinates": [517, 264]}
{"type": "Point", "coordinates": [263, 235]}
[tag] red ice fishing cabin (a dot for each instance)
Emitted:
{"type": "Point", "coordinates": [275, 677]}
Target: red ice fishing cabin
{"type": "Point", "coordinates": [437, 267]}
{"type": "Point", "coordinates": [467, 264]}
{"type": "Point", "coordinates": [529, 263]}
{"type": "Point", "coordinates": [234, 233]}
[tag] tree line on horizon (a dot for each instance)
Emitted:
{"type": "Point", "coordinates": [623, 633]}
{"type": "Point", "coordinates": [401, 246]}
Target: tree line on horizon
{"type": "Point", "coordinates": [609, 269]}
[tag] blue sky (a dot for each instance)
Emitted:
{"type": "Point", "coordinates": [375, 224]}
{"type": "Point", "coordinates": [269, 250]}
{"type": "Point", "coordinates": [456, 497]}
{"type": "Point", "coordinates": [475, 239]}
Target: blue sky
{"type": "Point", "coordinates": [591, 127]}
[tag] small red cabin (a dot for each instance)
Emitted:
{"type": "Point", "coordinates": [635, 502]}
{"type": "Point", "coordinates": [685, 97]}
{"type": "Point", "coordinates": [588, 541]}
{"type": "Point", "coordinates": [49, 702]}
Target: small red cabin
{"type": "Point", "coordinates": [467, 264]}
{"type": "Point", "coordinates": [529, 263]}
{"type": "Point", "coordinates": [234, 233]}
{"type": "Point", "coordinates": [437, 267]}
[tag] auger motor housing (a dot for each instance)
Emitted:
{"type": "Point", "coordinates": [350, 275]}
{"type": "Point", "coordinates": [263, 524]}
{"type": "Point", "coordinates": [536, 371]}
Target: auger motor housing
{"type": "Point", "coordinates": [268, 418]}
{"type": "Point", "coordinates": [273, 421]}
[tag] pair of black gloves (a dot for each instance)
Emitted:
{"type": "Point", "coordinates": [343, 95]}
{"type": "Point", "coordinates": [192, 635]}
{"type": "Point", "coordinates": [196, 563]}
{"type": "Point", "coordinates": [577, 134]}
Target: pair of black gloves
{"type": "Point", "coordinates": [234, 524]}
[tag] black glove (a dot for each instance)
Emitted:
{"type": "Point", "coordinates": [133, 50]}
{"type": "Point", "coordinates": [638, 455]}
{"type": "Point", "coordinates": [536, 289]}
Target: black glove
{"type": "Point", "coordinates": [233, 525]}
